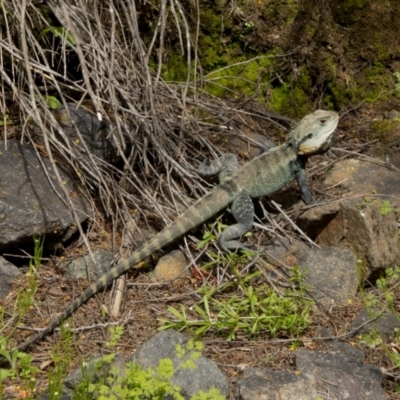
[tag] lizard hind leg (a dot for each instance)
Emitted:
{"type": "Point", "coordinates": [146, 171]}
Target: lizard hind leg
{"type": "Point", "coordinates": [243, 211]}
{"type": "Point", "coordinates": [225, 166]}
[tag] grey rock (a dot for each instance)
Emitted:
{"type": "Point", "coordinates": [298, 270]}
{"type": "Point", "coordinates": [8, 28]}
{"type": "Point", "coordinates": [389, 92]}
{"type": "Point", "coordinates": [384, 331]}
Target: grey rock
{"type": "Point", "coordinates": [331, 274]}
{"type": "Point", "coordinates": [84, 267]}
{"type": "Point", "coordinates": [385, 325]}
{"type": "Point", "coordinates": [340, 377]}
{"type": "Point", "coordinates": [277, 249]}
{"type": "Point", "coordinates": [351, 353]}
{"type": "Point", "coordinates": [8, 272]}
{"type": "Point", "coordinates": [363, 178]}
{"type": "Point", "coordinates": [365, 231]}
{"type": "Point", "coordinates": [205, 376]}
{"type": "Point", "coordinates": [263, 384]}
{"type": "Point", "coordinates": [29, 203]}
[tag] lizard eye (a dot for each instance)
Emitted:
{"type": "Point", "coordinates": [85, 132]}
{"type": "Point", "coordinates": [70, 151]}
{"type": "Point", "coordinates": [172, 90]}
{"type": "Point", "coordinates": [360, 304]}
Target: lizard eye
{"type": "Point", "coordinates": [322, 122]}
{"type": "Point", "coordinates": [310, 135]}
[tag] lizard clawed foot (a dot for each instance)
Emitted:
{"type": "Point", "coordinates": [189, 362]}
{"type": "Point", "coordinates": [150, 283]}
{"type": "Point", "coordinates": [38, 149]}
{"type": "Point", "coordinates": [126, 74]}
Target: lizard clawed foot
{"type": "Point", "coordinates": [232, 246]}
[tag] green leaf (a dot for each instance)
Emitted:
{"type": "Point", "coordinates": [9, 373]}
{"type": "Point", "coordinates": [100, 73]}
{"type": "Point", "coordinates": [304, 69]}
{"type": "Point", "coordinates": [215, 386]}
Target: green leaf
{"type": "Point", "coordinates": [5, 120]}
{"type": "Point", "coordinates": [4, 374]}
{"type": "Point", "coordinates": [52, 102]}
{"type": "Point", "coordinates": [201, 313]}
{"type": "Point", "coordinates": [177, 314]}
{"type": "Point", "coordinates": [58, 32]}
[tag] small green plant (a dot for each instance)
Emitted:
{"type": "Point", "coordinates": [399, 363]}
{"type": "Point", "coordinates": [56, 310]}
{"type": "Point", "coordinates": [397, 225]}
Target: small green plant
{"type": "Point", "coordinates": [20, 368]}
{"type": "Point", "coordinates": [136, 383]}
{"type": "Point", "coordinates": [5, 120]}
{"type": "Point", "coordinates": [387, 285]}
{"type": "Point", "coordinates": [209, 236]}
{"type": "Point", "coordinates": [58, 31]}
{"type": "Point", "coordinates": [366, 201]}
{"type": "Point", "coordinates": [52, 102]}
{"type": "Point", "coordinates": [257, 309]}
{"type": "Point", "coordinates": [396, 76]}
{"type": "Point", "coordinates": [385, 207]}
{"type": "Point", "coordinates": [62, 357]}
{"type": "Point", "coordinates": [378, 303]}
{"type": "Point", "coordinates": [26, 297]}
{"type": "Point", "coordinates": [371, 339]}
{"type": "Point", "coordinates": [116, 333]}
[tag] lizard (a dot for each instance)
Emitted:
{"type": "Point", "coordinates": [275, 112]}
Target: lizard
{"type": "Point", "coordinates": [262, 176]}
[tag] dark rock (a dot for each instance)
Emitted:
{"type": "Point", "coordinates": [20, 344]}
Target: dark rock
{"type": "Point", "coordinates": [84, 267]}
{"type": "Point", "coordinates": [351, 353]}
{"type": "Point", "coordinates": [8, 272]}
{"type": "Point", "coordinates": [314, 220]}
{"type": "Point", "coordinates": [263, 384]}
{"type": "Point", "coordinates": [29, 203]}
{"type": "Point", "coordinates": [385, 325]}
{"type": "Point", "coordinates": [205, 376]}
{"type": "Point", "coordinates": [96, 134]}
{"type": "Point", "coordinates": [364, 230]}
{"type": "Point", "coordinates": [340, 377]}
{"type": "Point", "coordinates": [331, 274]}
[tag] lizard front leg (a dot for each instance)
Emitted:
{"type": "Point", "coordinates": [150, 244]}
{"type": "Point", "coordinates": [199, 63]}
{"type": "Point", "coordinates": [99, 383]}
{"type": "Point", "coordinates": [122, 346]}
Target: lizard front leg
{"type": "Point", "coordinates": [225, 166]}
{"type": "Point", "coordinates": [303, 185]}
{"type": "Point", "coordinates": [243, 212]}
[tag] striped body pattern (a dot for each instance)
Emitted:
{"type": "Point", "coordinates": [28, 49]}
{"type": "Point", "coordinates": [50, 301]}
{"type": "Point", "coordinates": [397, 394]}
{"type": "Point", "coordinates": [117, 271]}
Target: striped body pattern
{"type": "Point", "coordinates": [261, 176]}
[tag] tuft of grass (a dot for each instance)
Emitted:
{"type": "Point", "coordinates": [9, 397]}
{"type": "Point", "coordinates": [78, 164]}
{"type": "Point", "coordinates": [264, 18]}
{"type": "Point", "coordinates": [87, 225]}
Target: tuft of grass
{"type": "Point", "coordinates": [258, 308]}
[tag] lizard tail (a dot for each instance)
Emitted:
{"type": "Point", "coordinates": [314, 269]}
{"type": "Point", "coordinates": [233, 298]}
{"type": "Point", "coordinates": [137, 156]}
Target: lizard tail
{"type": "Point", "coordinates": [213, 202]}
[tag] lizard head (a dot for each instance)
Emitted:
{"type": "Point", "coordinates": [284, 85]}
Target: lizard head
{"type": "Point", "coordinates": [314, 133]}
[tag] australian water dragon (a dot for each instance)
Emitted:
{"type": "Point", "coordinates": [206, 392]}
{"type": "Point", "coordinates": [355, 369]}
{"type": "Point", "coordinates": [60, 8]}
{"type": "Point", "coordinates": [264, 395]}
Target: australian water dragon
{"type": "Point", "coordinates": [262, 176]}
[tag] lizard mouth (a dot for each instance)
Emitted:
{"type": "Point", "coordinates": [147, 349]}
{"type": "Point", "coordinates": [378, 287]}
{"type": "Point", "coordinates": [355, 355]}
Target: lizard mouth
{"type": "Point", "coordinates": [317, 145]}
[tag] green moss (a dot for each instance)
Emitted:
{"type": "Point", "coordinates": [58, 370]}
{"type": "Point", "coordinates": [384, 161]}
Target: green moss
{"type": "Point", "coordinates": [350, 5]}
{"type": "Point", "coordinates": [381, 49]}
{"type": "Point", "coordinates": [373, 84]}
{"type": "Point", "coordinates": [243, 78]}
{"type": "Point", "coordinates": [385, 130]}
{"type": "Point", "coordinates": [292, 97]}
{"type": "Point", "coordinates": [289, 100]}
{"type": "Point", "coordinates": [175, 69]}
{"type": "Point", "coordinates": [225, 46]}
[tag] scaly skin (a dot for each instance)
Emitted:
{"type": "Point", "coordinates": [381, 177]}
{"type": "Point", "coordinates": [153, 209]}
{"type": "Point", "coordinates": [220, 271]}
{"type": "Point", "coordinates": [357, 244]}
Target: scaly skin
{"type": "Point", "coordinates": [261, 176]}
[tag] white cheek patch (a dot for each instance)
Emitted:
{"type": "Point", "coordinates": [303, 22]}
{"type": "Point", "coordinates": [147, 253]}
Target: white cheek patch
{"type": "Point", "coordinates": [316, 144]}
